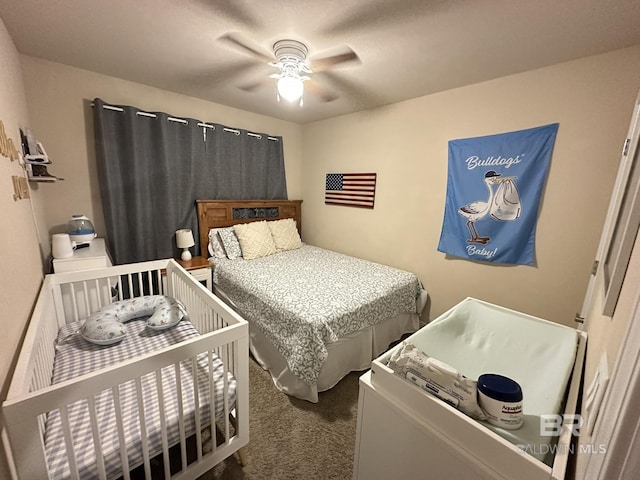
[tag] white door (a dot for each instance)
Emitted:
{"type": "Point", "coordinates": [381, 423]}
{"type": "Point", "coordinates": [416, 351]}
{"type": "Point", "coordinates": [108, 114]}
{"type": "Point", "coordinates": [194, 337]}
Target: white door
{"type": "Point", "coordinates": [609, 449]}
{"type": "Point", "coordinates": [617, 238]}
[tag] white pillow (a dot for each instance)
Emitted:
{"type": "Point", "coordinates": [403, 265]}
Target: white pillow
{"type": "Point", "coordinates": [215, 247]}
{"type": "Point", "coordinates": [230, 243]}
{"type": "Point", "coordinates": [285, 234]}
{"type": "Point", "coordinates": [255, 239]}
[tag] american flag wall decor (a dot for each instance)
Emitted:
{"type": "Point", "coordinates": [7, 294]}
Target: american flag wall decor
{"type": "Point", "coordinates": [350, 189]}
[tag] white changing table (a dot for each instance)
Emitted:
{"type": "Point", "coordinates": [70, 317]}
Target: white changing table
{"type": "Point", "coordinates": [403, 432]}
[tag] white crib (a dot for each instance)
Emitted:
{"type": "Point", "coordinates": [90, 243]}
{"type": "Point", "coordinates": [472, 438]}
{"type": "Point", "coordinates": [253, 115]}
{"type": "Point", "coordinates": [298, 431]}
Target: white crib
{"type": "Point", "coordinates": [70, 297]}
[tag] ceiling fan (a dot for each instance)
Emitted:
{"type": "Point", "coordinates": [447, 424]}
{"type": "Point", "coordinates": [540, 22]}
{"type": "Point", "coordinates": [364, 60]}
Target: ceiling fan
{"type": "Point", "coordinates": [295, 70]}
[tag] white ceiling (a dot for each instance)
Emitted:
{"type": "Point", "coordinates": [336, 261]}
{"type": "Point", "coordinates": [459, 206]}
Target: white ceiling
{"type": "Point", "coordinates": [407, 48]}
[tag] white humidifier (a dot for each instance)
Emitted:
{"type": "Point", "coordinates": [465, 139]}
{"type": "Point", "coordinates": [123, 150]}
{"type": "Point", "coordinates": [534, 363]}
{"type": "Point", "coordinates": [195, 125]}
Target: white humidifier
{"type": "Point", "coordinates": [80, 229]}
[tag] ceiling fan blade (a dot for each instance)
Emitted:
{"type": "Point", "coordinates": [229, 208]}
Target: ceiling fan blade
{"type": "Point", "coordinates": [226, 74]}
{"type": "Point", "coordinates": [320, 91]}
{"type": "Point", "coordinates": [330, 61]}
{"type": "Point", "coordinates": [238, 41]}
{"type": "Point", "coordinates": [208, 77]}
{"type": "Point", "coordinates": [255, 85]}
{"type": "Point", "coordinates": [355, 92]}
{"type": "Point", "coordinates": [233, 10]}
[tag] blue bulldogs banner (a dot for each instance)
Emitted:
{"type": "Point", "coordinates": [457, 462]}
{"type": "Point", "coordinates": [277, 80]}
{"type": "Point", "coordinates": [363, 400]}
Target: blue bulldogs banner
{"type": "Point", "coordinates": [494, 186]}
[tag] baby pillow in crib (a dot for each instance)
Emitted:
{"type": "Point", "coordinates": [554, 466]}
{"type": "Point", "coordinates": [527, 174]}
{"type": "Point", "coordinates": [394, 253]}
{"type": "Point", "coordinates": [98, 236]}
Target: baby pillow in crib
{"type": "Point", "coordinates": [106, 326]}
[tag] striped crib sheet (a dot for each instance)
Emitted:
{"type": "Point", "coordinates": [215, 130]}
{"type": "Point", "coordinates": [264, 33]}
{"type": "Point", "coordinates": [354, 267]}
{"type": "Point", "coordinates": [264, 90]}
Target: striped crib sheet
{"type": "Point", "coordinates": [75, 356]}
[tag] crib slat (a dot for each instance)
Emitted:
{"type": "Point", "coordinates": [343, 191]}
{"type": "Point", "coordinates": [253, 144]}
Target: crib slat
{"type": "Point", "coordinates": [98, 293]}
{"type": "Point", "coordinates": [141, 283]}
{"type": "Point", "coordinates": [68, 443]}
{"type": "Point", "coordinates": [95, 432]}
{"type": "Point", "coordinates": [212, 402]}
{"type": "Point", "coordinates": [163, 425]}
{"type": "Point", "coordinates": [150, 282]}
{"type": "Point", "coordinates": [230, 363]}
{"type": "Point", "coordinates": [122, 444]}
{"type": "Point", "coordinates": [143, 430]}
{"type": "Point", "coordinates": [183, 439]}
{"type": "Point", "coordinates": [196, 406]}
{"type": "Point", "coordinates": [74, 302]}
{"type": "Point", "coordinates": [109, 290]}
{"type": "Point", "coordinates": [121, 289]}
{"type": "Point", "coordinates": [225, 390]}
{"type": "Point", "coordinates": [130, 283]}
{"type": "Point", "coordinates": [38, 370]}
{"type": "Point", "coordinates": [87, 304]}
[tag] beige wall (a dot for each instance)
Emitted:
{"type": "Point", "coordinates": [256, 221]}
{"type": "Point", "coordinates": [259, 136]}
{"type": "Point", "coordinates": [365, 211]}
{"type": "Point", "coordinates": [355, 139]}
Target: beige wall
{"type": "Point", "coordinates": [406, 144]}
{"type": "Point", "coordinates": [20, 258]}
{"type": "Point", "coordinates": [59, 99]}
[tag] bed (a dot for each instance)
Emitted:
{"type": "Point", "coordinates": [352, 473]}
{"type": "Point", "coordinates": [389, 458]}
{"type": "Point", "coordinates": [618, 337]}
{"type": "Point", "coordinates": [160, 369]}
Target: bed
{"type": "Point", "coordinates": [168, 403]}
{"type": "Point", "coordinates": [308, 325]}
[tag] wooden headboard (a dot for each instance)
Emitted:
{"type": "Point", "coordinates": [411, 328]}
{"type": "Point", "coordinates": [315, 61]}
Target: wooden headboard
{"type": "Point", "coordinates": [225, 213]}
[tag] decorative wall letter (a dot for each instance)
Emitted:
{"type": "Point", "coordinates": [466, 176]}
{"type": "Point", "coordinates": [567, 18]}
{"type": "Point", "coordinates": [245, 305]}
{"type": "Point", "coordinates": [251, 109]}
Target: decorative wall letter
{"type": "Point", "coordinates": [7, 147]}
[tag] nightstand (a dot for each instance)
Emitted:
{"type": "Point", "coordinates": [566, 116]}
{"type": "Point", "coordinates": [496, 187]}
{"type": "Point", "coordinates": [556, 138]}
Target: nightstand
{"type": "Point", "coordinates": [86, 258]}
{"type": "Point", "coordinates": [199, 267]}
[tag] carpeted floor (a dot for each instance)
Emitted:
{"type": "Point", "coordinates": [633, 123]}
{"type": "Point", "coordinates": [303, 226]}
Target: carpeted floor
{"type": "Point", "coordinates": [294, 439]}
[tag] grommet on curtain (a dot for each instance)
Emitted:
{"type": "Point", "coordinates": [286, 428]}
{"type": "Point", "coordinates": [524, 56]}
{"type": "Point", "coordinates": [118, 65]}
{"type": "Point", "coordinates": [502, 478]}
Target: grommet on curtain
{"type": "Point", "coordinates": [204, 130]}
{"type": "Point", "coordinates": [237, 132]}
{"type": "Point", "coordinates": [178, 120]}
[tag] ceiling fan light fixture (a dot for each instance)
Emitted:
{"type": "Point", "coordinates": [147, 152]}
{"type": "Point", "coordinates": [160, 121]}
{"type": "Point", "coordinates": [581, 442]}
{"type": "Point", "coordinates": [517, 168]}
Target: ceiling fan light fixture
{"type": "Point", "coordinates": [290, 87]}
{"type": "Point", "coordinates": [290, 58]}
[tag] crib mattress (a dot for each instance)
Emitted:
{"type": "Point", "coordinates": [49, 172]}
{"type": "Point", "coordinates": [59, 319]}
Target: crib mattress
{"type": "Point", "coordinates": [75, 356]}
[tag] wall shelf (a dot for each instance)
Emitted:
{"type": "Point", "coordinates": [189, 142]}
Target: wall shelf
{"type": "Point", "coordinates": [35, 159]}
{"type": "Point", "coordinates": [39, 173]}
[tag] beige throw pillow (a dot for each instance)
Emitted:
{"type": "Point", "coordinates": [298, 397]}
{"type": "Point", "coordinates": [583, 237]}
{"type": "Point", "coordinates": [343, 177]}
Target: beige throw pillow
{"type": "Point", "coordinates": [285, 234]}
{"type": "Point", "coordinates": [255, 239]}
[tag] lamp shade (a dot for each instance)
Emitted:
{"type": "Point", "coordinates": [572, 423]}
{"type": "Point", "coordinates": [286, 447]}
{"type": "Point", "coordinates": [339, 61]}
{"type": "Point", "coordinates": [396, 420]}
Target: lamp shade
{"type": "Point", "coordinates": [184, 238]}
{"type": "Point", "coordinates": [290, 88]}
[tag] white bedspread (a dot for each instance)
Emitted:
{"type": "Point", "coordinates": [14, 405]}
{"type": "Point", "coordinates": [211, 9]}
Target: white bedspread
{"type": "Point", "coordinates": [75, 356]}
{"type": "Point", "coordinates": [306, 298]}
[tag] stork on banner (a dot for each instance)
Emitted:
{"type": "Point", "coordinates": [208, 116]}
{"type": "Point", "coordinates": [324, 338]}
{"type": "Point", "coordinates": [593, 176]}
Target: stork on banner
{"type": "Point", "coordinates": [494, 187]}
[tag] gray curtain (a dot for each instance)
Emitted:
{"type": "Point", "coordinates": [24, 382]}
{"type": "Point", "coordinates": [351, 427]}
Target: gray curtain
{"type": "Point", "coordinates": [153, 167]}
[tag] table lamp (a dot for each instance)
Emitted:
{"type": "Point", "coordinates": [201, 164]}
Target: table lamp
{"type": "Point", "coordinates": [184, 239]}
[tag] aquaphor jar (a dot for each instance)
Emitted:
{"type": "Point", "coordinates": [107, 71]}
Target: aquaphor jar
{"type": "Point", "coordinates": [501, 399]}
{"type": "Point", "coordinates": [80, 229]}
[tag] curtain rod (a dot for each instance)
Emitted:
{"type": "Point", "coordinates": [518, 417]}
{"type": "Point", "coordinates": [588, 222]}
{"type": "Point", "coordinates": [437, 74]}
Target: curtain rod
{"type": "Point", "coordinates": [182, 120]}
